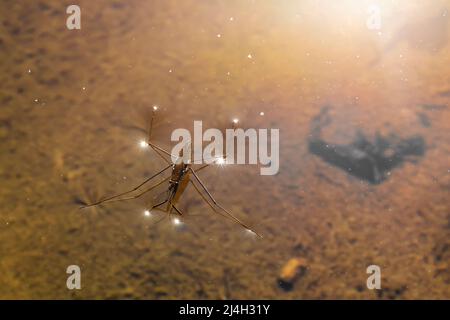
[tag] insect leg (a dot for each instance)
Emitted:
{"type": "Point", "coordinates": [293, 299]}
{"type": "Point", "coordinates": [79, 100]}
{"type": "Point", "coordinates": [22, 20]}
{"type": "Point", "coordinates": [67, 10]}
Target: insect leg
{"type": "Point", "coordinates": [154, 146]}
{"type": "Point", "coordinates": [208, 164]}
{"type": "Point", "coordinates": [160, 155]}
{"type": "Point", "coordinates": [159, 204]}
{"type": "Point", "coordinates": [176, 209]}
{"type": "Point", "coordinates": [129, 191]}
{"type": "Point", "coordinates": [151, 123]}
{"type": "Point", "coordinates": [134, 189]}
{"type": "Point", "coordinates": [207, 201]}
{"type": "Point", "coordinates": [155, 207]}
{"type": "Point", "coordinates": [219, 206]}
{"type": "Point", "coordinates": [130, 198]}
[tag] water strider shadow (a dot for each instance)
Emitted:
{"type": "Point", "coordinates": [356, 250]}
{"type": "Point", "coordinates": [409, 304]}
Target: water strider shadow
{"type": "Point", "coordinates": [369, 160]}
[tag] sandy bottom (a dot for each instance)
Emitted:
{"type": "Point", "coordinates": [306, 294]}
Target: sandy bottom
{"type": "Point", "coordinates": [74, 105]}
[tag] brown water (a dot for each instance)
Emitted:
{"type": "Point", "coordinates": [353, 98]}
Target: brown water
{"type": "Point", "coordinates": [62, 145]}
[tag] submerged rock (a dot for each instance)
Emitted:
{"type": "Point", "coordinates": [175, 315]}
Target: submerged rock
{"type": "Point", "coordinates": [291, 271]}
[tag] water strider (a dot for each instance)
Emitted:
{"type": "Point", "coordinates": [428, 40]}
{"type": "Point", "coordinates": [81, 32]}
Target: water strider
{"type": "Point", "coordinates": [182, 173]}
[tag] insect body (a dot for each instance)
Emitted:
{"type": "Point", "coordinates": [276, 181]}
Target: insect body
{"type": "Point", "coordinates": [181, 176]}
